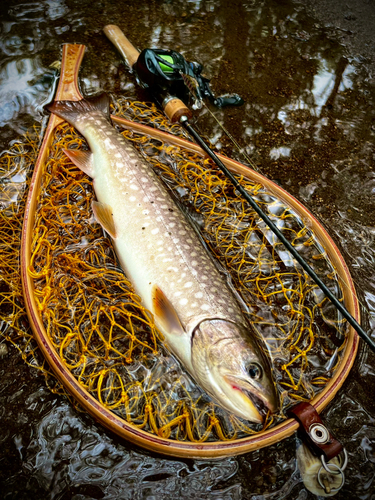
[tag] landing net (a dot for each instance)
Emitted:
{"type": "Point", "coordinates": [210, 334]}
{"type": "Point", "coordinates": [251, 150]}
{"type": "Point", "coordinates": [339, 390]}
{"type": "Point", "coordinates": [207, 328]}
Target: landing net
{"type": "Point", "coordinates": [96, 321]}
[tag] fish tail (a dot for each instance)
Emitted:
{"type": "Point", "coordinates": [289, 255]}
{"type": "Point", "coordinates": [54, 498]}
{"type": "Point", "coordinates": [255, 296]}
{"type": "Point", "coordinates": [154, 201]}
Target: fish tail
{"type": "Point", "coordinates": [72, 110]}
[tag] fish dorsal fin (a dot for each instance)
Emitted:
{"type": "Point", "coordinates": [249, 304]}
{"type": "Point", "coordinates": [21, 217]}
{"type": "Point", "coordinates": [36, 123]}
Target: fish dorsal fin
{"type": "Point", "coordinates": [82, 159]}
{"type": "Point", "coordinates": [103, 214]}
{"type": "Point", "coordinates": [165, 313]}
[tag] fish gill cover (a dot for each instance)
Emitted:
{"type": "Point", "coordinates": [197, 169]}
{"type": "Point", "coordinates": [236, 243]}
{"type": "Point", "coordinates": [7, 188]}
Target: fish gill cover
{"type": "Point", "coordinates": [97, 323]}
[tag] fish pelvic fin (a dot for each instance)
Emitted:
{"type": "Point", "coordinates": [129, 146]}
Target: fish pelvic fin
{"type": "Point", "coordinates": [72, 110]}
{"type": "Point", "coordinates": [165, 313]}
{"type": "Point", "coordinates": [104, 215]}
{"type": "Point", "coordinates": [81, 159]}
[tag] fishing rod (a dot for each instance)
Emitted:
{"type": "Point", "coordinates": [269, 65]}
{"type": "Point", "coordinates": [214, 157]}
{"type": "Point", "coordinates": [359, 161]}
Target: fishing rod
{"type": "Point", "coordinates": [164, 72]}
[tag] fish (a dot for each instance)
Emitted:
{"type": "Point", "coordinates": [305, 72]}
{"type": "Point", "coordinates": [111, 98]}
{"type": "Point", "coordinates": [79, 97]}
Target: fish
{"type": "Point", "coordinates": [169, 267]}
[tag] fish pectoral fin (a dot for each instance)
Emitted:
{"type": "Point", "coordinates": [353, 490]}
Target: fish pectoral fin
{"type": "Point", "coordinates": [81, 159]}
{"type": "Point", "coordinates": [103, 215]}
{"type": "Point", "coordinates": [165, 313]}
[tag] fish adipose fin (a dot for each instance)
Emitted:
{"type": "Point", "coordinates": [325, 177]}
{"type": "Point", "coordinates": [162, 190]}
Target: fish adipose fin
{"type": "Point", "coordinates": [72, 110]}
{"type": "Point", "coordinates": [103, 215]}
{"type": "Point", "coordinates": [82, 159]}
{"type": "Point", "coordinates": [166, 313]}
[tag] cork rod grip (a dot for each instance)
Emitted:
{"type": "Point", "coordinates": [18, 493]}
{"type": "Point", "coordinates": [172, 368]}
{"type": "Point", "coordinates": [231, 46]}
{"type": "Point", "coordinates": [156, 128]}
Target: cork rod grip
{"type": "Point", "coordinates": [122, 44]}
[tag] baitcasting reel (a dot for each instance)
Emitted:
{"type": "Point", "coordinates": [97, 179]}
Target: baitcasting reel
{"type": "Point", "coordinates": [169, 70]}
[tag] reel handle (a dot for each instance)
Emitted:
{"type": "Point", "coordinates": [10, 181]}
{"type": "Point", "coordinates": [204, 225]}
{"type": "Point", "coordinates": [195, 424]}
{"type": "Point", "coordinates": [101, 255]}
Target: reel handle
{"type": "Point", "coordinates": [173, 107]}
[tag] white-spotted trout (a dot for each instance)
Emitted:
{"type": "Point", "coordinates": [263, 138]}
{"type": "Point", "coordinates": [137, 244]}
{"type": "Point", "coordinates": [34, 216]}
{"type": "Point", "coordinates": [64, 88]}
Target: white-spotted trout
{"type": "Point", "coordinates": [170, 269]}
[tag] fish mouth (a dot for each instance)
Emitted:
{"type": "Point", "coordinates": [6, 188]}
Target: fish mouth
{"type": "Point", "coordinates": [259, 403]}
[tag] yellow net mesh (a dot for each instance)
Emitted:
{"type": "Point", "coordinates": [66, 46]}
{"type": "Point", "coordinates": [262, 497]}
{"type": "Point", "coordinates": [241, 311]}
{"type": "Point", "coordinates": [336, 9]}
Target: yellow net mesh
{"type": "Point", "coordinates": [97, 323]}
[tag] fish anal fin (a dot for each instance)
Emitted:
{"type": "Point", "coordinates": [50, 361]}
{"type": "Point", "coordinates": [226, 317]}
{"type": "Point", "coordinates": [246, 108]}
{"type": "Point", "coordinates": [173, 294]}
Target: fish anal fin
{"type": "Point", "coordinates": [165, 313]}
{"type": "Point", "coordinates": [103, 215]}
{"type": "Point", "coordinates": [82, 159]}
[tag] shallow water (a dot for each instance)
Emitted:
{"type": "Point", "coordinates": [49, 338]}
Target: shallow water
{"type": "Point", "coordinates": [308, 122]}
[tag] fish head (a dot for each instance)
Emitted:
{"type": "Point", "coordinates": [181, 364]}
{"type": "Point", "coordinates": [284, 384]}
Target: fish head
{"type": "Point", "coordinates": [231, 366]}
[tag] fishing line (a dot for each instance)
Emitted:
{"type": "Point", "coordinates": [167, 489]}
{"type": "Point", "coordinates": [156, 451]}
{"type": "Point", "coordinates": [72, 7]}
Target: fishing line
{"type": "Point", "coordinates": [237, 145]}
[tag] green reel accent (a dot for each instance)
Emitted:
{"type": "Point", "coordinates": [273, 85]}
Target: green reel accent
{"type": "Point", "coordinates": [163, 67]}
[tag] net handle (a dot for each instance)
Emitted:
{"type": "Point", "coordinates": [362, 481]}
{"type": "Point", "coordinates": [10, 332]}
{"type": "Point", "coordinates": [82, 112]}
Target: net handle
{"type": "Point", "coordinates": [68, 89]}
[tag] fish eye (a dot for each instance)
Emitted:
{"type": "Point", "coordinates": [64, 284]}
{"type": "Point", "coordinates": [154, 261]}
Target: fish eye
{"type": "Point", "coordinates": [255, 371]}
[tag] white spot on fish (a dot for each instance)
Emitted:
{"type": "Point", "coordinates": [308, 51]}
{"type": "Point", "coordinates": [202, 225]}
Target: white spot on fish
{"type": "Point", "coordinates": [155, 231]}
{"type": "Point", "coordinates": [171, 224]}
{"type": "Point", "coordinates": [134, 187]}
{"type": "Point", "coordinates": [188, 284]}
{"type": "Point", "coordinates": [194, 263]}
{"type": "Point", "coordinates": [144, 179]}
{"type": "Point", "coordinates": [132, 198]}
{"type": "Point", "coordinates": [108, 143]}
{"type": "Point", "coordinates": [177, 294]}
{"type": "Point", "coordinates": [117, 155]}
{"type": "Point", "coordinates": [198, 295]}
{"type": "Point", "coordinates": [182, 232]}
{"type": "Point", "coordinates": [183, 302]}
{"type": "Point", "coordinates": [205, 307]}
